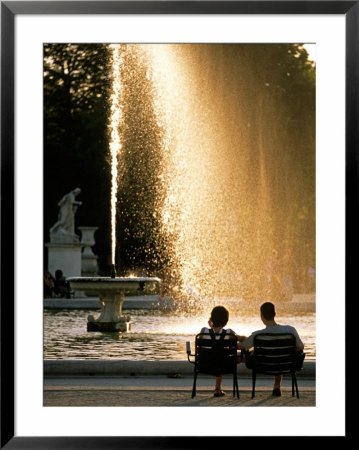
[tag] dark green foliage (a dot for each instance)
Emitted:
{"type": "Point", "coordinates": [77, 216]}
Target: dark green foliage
{"type": "Point", "coordinates": [76, 89]}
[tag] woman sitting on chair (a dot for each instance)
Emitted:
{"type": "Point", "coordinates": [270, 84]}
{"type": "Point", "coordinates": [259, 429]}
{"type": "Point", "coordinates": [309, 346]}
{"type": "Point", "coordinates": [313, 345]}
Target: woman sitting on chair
{"type": "Point", "coordinates": [217, 322]}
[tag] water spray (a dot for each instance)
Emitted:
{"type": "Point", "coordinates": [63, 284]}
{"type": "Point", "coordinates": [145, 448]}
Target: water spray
{"type": "Point", "coordinates": [115, 142]}
{"type": "Point", "coordinates": [113, 271]}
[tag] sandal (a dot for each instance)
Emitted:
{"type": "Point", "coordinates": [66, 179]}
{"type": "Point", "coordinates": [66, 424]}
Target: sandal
{"type": "Point", "coordinates": [276, 392]}
{"type": "Point", "coordinates": [218, 393]}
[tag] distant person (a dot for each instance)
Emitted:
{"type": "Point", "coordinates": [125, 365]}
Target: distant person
{"type": "Point", "coordinates": [49, 284]}
{"type": "Point", "coordinates": [62, 287]}
{"type": "Point", "coordinates": [59, 275]}
{"type": "Point", "coordinates": [268, 313]}
{"type": "Point", "coordinates": [218, 320]}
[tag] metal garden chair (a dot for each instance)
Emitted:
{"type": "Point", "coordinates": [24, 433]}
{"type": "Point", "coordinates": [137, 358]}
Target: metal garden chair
{"type": "Point", "coordinates": [215, 354]}
{"type": "Point", "coordinates": [274, 354]}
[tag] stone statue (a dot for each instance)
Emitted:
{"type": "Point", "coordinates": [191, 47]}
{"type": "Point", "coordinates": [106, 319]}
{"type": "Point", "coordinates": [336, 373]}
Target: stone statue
{"type": "Point", "coordinates": [64, 229]}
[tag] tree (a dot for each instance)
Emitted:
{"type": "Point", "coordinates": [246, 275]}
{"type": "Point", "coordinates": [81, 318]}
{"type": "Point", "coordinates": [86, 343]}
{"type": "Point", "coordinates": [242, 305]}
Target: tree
{"type": "Point", "coordinates": [76, 90]}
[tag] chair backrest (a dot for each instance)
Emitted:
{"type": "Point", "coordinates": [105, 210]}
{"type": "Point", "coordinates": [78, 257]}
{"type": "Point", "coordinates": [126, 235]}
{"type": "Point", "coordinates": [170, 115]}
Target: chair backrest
{"type": "Point", "coordinates": [274, 353]}
{"type": "Point", "coordinates": [217, 354]}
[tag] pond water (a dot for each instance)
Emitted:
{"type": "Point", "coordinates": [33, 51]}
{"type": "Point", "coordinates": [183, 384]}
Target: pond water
{"type": "Point", "coordinates": [155, 335]}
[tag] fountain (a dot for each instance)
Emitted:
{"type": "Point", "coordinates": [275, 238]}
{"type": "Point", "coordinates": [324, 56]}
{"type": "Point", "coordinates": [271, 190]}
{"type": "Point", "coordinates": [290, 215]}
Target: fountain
{"type": "Point", "coordinates": [111, 290]}
{"type": "Point", "coordinates": [212, 170]}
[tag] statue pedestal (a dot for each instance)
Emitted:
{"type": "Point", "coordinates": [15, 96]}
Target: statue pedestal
{"type": "Point", "coordinates": [66, 257]}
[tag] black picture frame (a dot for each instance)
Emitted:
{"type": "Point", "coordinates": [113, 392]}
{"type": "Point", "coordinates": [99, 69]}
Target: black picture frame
{"type": "Point", "coordinates": [9, 10]}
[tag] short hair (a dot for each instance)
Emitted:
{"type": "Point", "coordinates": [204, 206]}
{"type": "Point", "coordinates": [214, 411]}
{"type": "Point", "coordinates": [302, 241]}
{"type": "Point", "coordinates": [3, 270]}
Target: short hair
{"type": "Point", "coordinates": [58, 273]}
{"type": "Point", "coordinates": [268, 311]}
{"type": "Point", "coordinates": [219, 316]}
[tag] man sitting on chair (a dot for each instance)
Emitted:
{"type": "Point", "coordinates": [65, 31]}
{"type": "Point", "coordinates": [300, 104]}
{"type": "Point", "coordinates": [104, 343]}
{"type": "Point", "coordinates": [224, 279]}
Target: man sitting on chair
{"type": "Point", "coordinates": [268, 313]}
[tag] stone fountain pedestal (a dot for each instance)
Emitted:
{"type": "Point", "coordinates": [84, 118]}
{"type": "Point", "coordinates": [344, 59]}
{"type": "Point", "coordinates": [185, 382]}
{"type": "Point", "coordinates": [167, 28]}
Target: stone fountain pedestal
{"type": "Point", "coordinates": [111, 292]}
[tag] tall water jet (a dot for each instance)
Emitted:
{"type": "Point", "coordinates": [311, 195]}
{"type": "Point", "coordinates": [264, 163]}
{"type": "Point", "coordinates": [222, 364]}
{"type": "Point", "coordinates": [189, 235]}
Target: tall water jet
{"type": "Point", "coordinates": [239, 175]}
{"type": "Point", "coordinates": [142, 246]}
{"type": "Point", "coordinates": [115, 140]}
{"type": "Point", "coordinates": [111, 290]}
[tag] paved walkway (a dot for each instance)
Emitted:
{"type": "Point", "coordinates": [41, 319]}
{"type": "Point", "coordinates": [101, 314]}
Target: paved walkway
{"type": "Point", "coordinates": [166, 391]}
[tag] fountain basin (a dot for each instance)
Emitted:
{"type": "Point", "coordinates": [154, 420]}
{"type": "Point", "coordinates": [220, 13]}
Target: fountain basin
{"type": "Point", "coordinates": [111, 292]}
{"type": "Point", "coordinates": [116, 284]}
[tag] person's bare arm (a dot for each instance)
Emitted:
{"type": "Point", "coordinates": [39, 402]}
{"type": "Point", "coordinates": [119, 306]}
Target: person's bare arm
{"type": "Point", "coordinates": [239, 339]}
{"type": "Point", "coordinates": [300, 345]}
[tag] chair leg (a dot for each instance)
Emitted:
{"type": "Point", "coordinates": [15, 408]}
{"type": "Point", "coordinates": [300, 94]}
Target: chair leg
{"type": "Point", "coordinates": [194, 385]}
{"type": "Point", "coordinates": [296, 385]}
{"type": "Point", "coordinates": [254, 375]}
{"type": "Point", "coordinates": [237, 386]}
{"type": "Point", "coordinates": [293, 384]}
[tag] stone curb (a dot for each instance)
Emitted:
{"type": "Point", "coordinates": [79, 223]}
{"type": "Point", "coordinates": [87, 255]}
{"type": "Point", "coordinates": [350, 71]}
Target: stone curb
{"type": "Point", "coordinates": [141, 368]}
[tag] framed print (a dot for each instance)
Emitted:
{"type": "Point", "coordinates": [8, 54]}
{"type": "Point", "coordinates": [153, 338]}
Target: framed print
{"type": "Point", "coordinates": [162, 163]}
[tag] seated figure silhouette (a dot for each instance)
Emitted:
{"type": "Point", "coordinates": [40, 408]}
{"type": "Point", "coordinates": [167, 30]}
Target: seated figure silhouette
{"type": "Point", "coordinates": [61, 286]}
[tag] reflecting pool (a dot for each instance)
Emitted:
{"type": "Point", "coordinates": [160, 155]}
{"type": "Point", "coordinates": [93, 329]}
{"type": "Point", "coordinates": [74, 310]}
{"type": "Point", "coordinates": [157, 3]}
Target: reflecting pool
{"type": "Point", "coordinates": [157, 335]}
